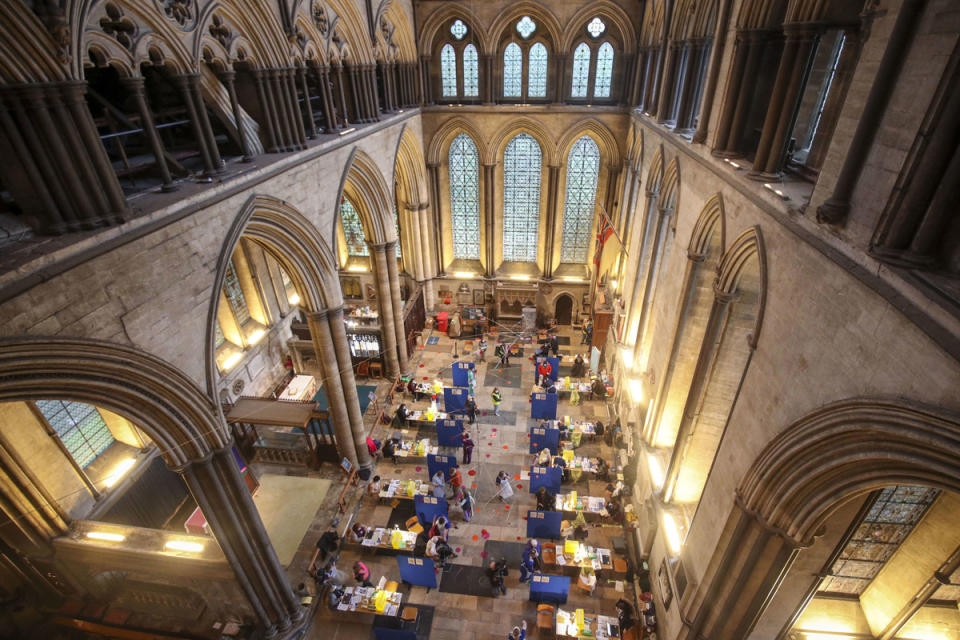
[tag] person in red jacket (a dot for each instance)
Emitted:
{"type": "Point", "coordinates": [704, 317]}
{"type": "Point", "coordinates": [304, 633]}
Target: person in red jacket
{"type": "Point", "coordinates": [362, 574]}
{"type": "Point", "coordinates": [456, 478]}
{"type": "Point", "coordinates": [544, 371]}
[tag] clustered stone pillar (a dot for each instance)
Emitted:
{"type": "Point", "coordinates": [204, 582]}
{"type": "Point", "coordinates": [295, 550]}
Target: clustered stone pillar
{"type": "Point", "coordinates": [136, 87]}
{"type": "Point", "coordinates": [59, 171]}
{"type": "Point", "coordinates": [798, 52]}
{"type": "Point", "coordinates": [302, 80]}
{"type": "Point", "coordinates": [388, 329]}
{"type": "Point", "coordinates": [748, 54]}
{"type": "Point", "coordinates": [338, 333]}
{"type": "Point", "coordinates": [279, 103]}
{"type": "Point", "coordinates": [553, 182]}
{"type": "Point", "coordinates": [393, 273]}
{"type": "Point", "coordinates": [489, 189]}
{"type": "Point", "coordinates": [691, 90]}
{"type": "Point", "coordinates": [430, 268]}
{"type": "Point", "coordinates": [228, 77]}
{"type": "Point", "coordinates": [425, 80]}
{"type": "Point", "coordinates": [713, 75]}
{"type": "Point", "coordinates": [197, 111]}
{"type": "Point", "coordinates": [323, 345]}
{"type": "Point", "coordinates": [326, 98]}
{"type": "Point", "coordinates": [652, 223]}
{"type": "Point", "coordinates": [225, 501]}
{"type": "Point", "coordinates": [748, 571]}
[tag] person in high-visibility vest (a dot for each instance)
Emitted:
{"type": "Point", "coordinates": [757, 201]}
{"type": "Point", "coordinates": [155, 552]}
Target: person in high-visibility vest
{"type": "Point", "coordinates": [497, 399]}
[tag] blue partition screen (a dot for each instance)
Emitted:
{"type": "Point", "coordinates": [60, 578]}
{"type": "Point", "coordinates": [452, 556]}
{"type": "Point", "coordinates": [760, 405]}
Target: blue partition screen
{"type": "Point", "coordinates": [418, 571]}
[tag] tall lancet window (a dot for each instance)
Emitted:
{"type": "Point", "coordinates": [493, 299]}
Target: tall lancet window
{"type": "Point", "coordinates": [583, 169]}
{"type": "Point", "coordinates": [522, 163]}
{"type": "Point", "coordinates": [353, 230]}
{"type": "Point", "coordinates": [448, 71]}
{"type": "Point", "coordinates": [512, 70]}
{"type": "Point", "coordinates": [581, 71]}
{"type": "Point", "coordinates": [537, 71]}
{"type": "Point", "coordinates": [464, 167]}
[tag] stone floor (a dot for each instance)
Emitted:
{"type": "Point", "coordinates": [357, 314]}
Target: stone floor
{"type": "Point", "coordinates": [502, 444]}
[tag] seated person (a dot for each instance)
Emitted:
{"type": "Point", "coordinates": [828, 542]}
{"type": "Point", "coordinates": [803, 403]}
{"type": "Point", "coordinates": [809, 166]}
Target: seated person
{"type": "Point", "coordinates": [431, 550]}
{"type": "Point", "coordinates": [373, 489]}
{"type": "Point", "coordinates": [400, 417]}
{"type": "Point", "coordinates": [613, 508]}
{"type": "Point", "coordinates": [546, 501]}
{"type": "Point", "coordinates": [580, 533]}
{"type": "Point", "coordinates": [603, 469]}
{"type": "Point", "coordinates": [543, 458]}
{"type": "Point", "coordinates": [357, 533]}
{"type": "Point", "coordinates": [588, 580]}
{"type": "Point", "coordinates": [597, 389]}
{"type": "Point", "coordinates": [558, 461]}
{"type": "Point", "coordinates": [440, 527]}
{"type": "Point", "coordinates": [389, 450]}
{"type": "Point", "coordinates": [412, 388]}
{"type": "Point", "coordinates": [625, 615]}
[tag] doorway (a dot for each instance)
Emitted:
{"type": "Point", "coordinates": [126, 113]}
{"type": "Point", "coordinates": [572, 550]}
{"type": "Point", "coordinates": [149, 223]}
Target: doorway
{"type": "Point", "coordinates": [563, 311]}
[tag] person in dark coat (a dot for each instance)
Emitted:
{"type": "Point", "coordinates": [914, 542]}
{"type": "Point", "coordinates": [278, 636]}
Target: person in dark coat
{"type": "Point", "coordinates": [555, 345]}
{"type": "Point", "coordinates": [497, 571]}
{"type": "Point", "coordinates": [467, 448]}
{"type": "Point", "coordinates": [400, 417]}
{"type": "Point", "coordinates": [470, 407]}
{"type": "Point", "coordinates": [546, 501]}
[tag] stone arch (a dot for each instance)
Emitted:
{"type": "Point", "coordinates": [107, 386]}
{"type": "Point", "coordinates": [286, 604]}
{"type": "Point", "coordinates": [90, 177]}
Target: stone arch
{"type": "Point", "coordinates": [652, 26]}
{"type": "Point", "coordinates": [352, 27]}
{"type": "Point", "coordinates": [26, 48]}
{"type": "Point", "coordinates": [655, 172]}
{"type": "Point", "coordinates": [188, 427]}
{"type": "Point", "coordinates": [835, 453]}
{"type": "Point", "coordinates": [711, 215]}
{"type": "Point", "coordinates": [494, 150]}
{"type": "Point", "coordinates": [670, 187]}
{"type": "Point", "coordinates": [183, 421]}
{"type": "Point", "coordinates": [761, 14]}
{"type": "Point", "coordinates": [363, 184]}
{"type": "Point", "coordinates": [610, 152]}
{"type": "Point", "coordinates": [440, 142]}
{"type": "Point", "coordinates": [612, 14]}
{"type": "Point", "coordinates": [430, 29]}
{"type": "Point", "coordinates": [409, 168]}
{"type": "Point", "coordinates": [747, 248]}
{"type": "Point", "coordinates": [547, 24]}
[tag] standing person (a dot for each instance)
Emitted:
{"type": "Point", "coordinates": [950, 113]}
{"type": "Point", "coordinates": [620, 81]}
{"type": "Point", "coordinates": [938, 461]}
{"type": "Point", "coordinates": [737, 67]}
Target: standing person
{"type": "Point", "coordinates": [456, 478]}
{"type": "Point", "coordinates": [579, 367]}
{"type": "Point", "coordinates": [482, 348]}
{"type": "Point", "coordinates": [498, 353]}
{"type": "Point", "coordinates": [400, 417]}
{"type": "Point", "coordinates": [373, 446]}
{"type": "Point", "coordinates": [496, 398]}
{"type": "Point", "coordinates": [389, 450]}
{"type": "Point", "coordinates": [467, 448]}
{"type": "Point", "coordinates": [361, 574]}
{"type": "Point", "coordinates": [504, 490]}
{"type": "Point", "coordinates": [466, 502]}
{"type": "Point", "coordinates": [438, 481]}
{"type": "Point", "coordinates": [440, 527]}
{"type": "Point", "coordinates": [327, 545]}
{"type": "Point", "coordinates": [544, 371]}
{"type": "Point", "coordinates": [527, 565]}
{"type": "Point", "coordinates": [518, 633]}
{"type": "Point", "coordinates": [470, 407]}
{"type": "Point", "coordinates": [497, 571]}
{"type": "Point", "coordinates": [555, 345]}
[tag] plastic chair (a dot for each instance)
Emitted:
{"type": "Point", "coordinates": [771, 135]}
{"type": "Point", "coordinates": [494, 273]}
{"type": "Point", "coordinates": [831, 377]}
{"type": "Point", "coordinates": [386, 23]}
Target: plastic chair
{"type": "Point", "coordinates": [545, 616]}
{"type": "Point", "coordinates": [587, 583]}
{"type": "Point", "coordinates": [413, 524]}
{"type": "Point", "coordinates": [619, 565]}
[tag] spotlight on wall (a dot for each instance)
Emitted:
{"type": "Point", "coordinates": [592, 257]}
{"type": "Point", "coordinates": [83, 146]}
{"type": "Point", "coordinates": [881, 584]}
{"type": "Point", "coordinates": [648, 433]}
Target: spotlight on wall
{"type": "Point", "coordinates": [256, 336]}
{"type": "Point", "coordinates": [656, 470]}
{"type": "Point", "coordinates": [626, 355]}
{"type": "Point", "coordinates": [636, 390]}
{"type": "Point", "coordinates": [733, 164]}
{"type": "Point", "coordinates": [572, 279]}
{"type": "Point", "coordinates": [118, 472]}
{"type": "Point", "coordinates": [232, 361]}
{"type": "Point", "coordinates": [346, 131]}
{"type": "Point", "coordinates": [357, 268]}
{"type": "Point", "coordinates": [519, 277]}
{"type": "Point", "coordinates": [776, 191]}
{"type": "Point", "coordinates": [294, 299]}
{"type": "Point", "coordinates": [613, 285]}
{"type": "Point", "coordinates": [183, 545]}
{"type": "Point", "coordinates": [106, 537]}
{"type": "Point", "coordinates": [672, 532]}
{"type": "Point", "coordinates": [463, 275]}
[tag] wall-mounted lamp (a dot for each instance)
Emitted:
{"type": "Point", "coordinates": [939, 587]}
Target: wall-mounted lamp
{"type": "Point", "coordinates": [106, 537]}
{"type": "Point", "coordinates": [232, 361]}
{"type": "Point", "coordinates": [656, 470]}
{"type": "Point", "coordinates": [183, 545]}
{"type": "Point", "coordinates": [672, 532]}
{"type": "Point", "coordinates": [118, 472]}
{"type": "Point", "coordinates": [294, 299]}
{"type": "Point", "coordinates": [776, 191]}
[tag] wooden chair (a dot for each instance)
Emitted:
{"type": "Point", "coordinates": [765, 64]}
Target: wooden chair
{"type": "Point", "coordinates": [545, 617]}
{"type": "Point", "coordinates": [619, 566]}
{"type": "Point", "coordinates": [413, 524]}
{"type": "Point", "coordinates": [363, 370]}
{"type": "Point", "coordinates": [376, 370]}
{"type": "Point", "coordinates": [409, 614]}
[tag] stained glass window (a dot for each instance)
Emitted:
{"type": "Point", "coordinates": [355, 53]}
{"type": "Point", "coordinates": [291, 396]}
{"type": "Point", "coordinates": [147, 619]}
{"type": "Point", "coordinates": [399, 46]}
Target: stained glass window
{"type": "Point", "coordinates": [231, 289]}
{"type": "Point", "coordinates": [526, 26]}
{"type": "Point", "coordinates": [458, 29]}
{"type": "Point", "coordinates": [218, 334]}
{"type": "Point", "coordinates": [79, 426]}
{"type": "Point", "coordinates": [887, 524]}
{"type": "Point", "coordinates": [471, 83]}
{"type": "Point", "coordinates": [537, 72]}
{"type": "Point", "coordinates": [448, 71]}
{"type": "Point", "coordinates": [596, 27]}
{"type": "Point", "coordinates": [353, 230]}
{"type": "Point", "coordinates": [583, 169]}
{"type": "Point", "coordinates": [601, 86]}
{"type": "Point", "coordinates": [512, 70]}
{"type": "Point", "coordinates": [464, 169]}
{"type": "Point", "coordinates": [581, 71]}
{"type": "Point", "coordinates": [522, 161]}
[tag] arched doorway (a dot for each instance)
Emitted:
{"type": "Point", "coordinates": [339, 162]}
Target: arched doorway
{"type": "Point", "coordinates": [563, 309]}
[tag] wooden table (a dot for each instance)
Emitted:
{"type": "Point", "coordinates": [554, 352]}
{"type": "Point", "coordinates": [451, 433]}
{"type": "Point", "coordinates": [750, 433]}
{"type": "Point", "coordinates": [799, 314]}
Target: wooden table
{"type": "Point", "coordinates": [405, 450]}
{"type": "Point", "coordinates": [597, 624]}
{"type": "Point", "coordinates": [395, 489]}
{"type": "Point", "coordinates": [593, 508]}
{"type": "Point", "coordinates": [379, 541]}
{"type": "Point", "coordinates": [360, 600]}
{"type": "Point", "coordinates": [571, 564]}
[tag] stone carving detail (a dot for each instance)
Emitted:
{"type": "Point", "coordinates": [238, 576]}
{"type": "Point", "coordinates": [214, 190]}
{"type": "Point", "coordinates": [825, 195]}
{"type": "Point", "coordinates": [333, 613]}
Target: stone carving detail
{"type": "Point", "coordinates": [118, 27]}
{"type": "Point", "coordinates": [180, 11]}
{"type": "Point", "coordinates": [320, 19]}
{"type": "Point", "coordinates": [220, 31]}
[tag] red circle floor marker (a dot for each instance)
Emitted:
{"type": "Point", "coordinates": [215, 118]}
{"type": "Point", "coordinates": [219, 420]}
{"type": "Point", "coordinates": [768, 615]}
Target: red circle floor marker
{"type": "Point", "coordinates": [475, 538]}
{"type": "Point", "coordinates": [472, 472]}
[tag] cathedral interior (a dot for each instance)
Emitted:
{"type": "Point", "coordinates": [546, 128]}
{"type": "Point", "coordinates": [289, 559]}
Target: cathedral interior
{"type": "Point", "coordinates": [684, 273]}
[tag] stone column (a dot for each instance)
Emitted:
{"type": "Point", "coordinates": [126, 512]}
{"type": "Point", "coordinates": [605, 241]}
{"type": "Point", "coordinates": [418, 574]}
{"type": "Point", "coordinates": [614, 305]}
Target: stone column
{"type": "Point", "coordinates": [201, 107]}
{"type": "Point", "coordinates": [342, 96]}
{"type": "Point", "coordinates": [426, 82]}
{"type": "Point", "coordinates": [434, 170]}
{"type": "Point", "coordinates": [215, 483]}
{"type": "Point", "coordinates": [348, 383]}
{"type": "Point", "coordinates": [135, 86]}
{"type": "Point", "coordinates": [266, 106]}
{"type": "Point", "coordinates": [713, 75]}
{"type": "Point", "coordinates": [739, 92]}
{"type": "Point", "coordinates": [288, 76]}
{"type": "Point", "coordinates": [649, 224]}
{"type": "Point", "coordinates": [185, 83]}
{"type": "Point", "coordinates": [837, 206]}
{"type": "Point", "coordinates": [792, 74]}
{"type": "Point", "coordinates": [388, 330]}
{"type": "Point", "coordinates": [418, 258]}
{"type": "Point", "coordinates": [553, 200]}
{"type": "Point", "coordinates": [743, 577]}
{"type": "Point", "coordinates": [671, 73]}
{"type": "Point", "coordinates": [323, 344]}
{"type": "Point", "coordinates": [560, 79]}
{"type": "Point", "coordinates": [394, 275]}
{"type": "Point", "coordinates": [329, 111]}
{"type": "Point", "coordinates": [302, 77]}
{"type": "Point", "coordinates": [278, 93]}
{"type": "Point", "coordinates": [228, 77]}
{"type": "Point", "coordinates": [489, 209]}
{"type": "Point", "coordinates": [429, 259]}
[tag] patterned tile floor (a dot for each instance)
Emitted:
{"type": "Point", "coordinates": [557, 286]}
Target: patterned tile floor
{"type": "Point", "coordinates": [502, 444]}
